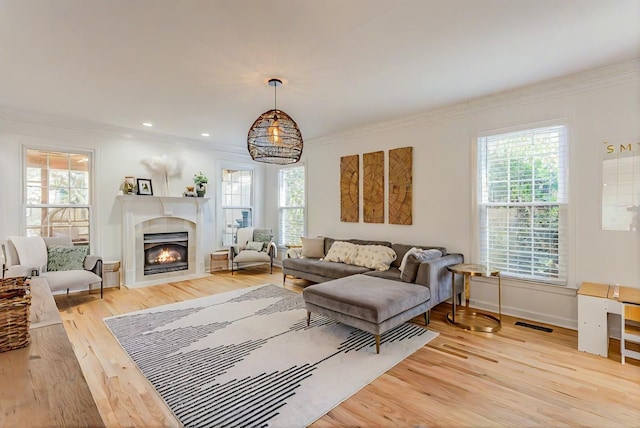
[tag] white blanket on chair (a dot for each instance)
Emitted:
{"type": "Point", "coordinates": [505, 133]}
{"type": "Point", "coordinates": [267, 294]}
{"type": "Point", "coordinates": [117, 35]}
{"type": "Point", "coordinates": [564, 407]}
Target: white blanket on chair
{"type": "Point", "coordinates": [32, 251]}
{"type": "Point", "coordinates": [245, 234]}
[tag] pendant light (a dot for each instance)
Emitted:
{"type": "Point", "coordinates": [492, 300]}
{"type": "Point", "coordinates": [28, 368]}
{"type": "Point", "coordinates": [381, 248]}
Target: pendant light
{"type": "Point", "coordinates": [275, 137]}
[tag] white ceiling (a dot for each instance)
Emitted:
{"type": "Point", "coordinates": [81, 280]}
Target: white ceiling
{"type": "Point", "coordinates": [193, 66]}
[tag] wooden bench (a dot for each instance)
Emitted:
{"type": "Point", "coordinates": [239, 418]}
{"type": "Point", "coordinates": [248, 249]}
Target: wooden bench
{"type": "Point", "coordinates": [42, 384]}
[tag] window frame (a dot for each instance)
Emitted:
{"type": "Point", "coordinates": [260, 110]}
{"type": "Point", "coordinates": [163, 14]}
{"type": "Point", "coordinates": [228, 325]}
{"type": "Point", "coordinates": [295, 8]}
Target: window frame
{"type": "Point", "coordinates": [223, 208]}
{"type": "Point", "coordinates": [92, 233]}
{"type": "Point", "coordinates": [565, 216]}
{"type": "Point", "coordinates": [281, 238]}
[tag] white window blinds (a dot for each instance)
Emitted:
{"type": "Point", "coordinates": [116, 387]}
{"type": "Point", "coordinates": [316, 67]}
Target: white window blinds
{"type": "Point", "coordinates": [291, 206]}
{"type": "Point", "coordinates": [522, 195]}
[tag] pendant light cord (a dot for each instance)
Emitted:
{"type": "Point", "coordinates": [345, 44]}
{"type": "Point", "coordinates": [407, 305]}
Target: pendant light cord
{"type": "Point", "coordinates": [275, 97]}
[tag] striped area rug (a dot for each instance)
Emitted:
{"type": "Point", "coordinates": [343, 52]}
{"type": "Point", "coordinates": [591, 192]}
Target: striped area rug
{"type": "Point", "coordinates": [247, 358]}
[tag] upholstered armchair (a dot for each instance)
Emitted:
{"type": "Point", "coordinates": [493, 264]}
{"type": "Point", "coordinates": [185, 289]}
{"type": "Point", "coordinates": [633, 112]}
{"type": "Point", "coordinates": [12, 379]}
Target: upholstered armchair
{"type": "Point", "coordinates": [253, 246]}
{"type": "Point", "coordinates": [64, 266]}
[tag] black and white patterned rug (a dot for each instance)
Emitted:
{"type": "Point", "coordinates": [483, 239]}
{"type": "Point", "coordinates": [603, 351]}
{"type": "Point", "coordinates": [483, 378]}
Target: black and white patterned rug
{"type": "Point", "coordinates": [247, 358]}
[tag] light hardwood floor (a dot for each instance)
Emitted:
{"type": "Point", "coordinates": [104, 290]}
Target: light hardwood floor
{"type": "Point", "coordinates": [516, 377]}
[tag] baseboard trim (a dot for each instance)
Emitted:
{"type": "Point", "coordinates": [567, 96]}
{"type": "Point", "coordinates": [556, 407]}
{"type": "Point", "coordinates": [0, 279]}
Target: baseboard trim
{"type": "Point", "coordinates": [142, 284]}
{"type": "Point", "coordinates": [526, 314]}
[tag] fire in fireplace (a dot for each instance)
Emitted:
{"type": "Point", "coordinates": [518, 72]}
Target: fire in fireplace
{"type": "Point", "coordinates": [166, 252]}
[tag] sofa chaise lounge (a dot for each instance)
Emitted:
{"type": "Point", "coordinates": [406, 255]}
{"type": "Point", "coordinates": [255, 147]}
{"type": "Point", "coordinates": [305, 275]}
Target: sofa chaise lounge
{"type": "Point", "coordinates": [432, 274]}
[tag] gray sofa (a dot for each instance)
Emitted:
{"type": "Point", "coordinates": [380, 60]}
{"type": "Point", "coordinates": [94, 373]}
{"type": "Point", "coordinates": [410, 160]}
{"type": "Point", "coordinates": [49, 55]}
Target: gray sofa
{"type": "Point", "coordinates": [432, 274]}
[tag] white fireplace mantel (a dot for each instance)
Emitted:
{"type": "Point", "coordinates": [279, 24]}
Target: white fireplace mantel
{"type": "Point", "coordinates": [138, 209]}
{"type": "Point", "coordinates": [168, 202]}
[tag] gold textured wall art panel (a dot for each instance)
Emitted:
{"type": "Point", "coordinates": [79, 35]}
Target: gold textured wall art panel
{"type": "Point", "coordinates": [349, 188]}
{"type": "Point", "coordinates": [400, 185]}
{"type": "Point", "coordinates": [373, 187]}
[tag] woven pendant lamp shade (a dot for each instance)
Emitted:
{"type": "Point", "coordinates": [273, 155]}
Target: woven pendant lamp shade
{"type": "Point", "coordinates": [275, 137]}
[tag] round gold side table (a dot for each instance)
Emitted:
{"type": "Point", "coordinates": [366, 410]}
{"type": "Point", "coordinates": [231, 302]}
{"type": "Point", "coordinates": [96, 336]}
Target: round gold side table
{"type": "Point", "coordinates": [466, 318]}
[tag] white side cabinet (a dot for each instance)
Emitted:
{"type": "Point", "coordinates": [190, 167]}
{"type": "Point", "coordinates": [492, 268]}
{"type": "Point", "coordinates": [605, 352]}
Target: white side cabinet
{"type": "Point", "coordinates": [592, 325]}
{"type": "Point", "coordinates": [595, 302]}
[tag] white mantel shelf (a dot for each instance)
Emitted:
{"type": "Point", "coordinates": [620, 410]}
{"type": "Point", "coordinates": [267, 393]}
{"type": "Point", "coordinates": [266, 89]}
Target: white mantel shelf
{"type": "Point", "coordinates": [168, 202]}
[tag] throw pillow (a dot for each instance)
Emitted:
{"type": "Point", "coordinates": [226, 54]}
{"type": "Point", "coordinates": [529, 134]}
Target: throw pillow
{"type": "Point", "coordinates": [342, 252]}
{"type": "Point", "coordinates": [313, 247]}
{"type": "Point", "coordinates": [406, 256]}
{"type": "Point", "coordinates": [254, 246]}
{"type": "Point", "coordinates": [66, 258]}
{"type": "Point", "coordinates": [259, 236]}
{"type": "Point", "coordinates": [413, 263]}
{"type": "Point", "coordinates": [378, 257]}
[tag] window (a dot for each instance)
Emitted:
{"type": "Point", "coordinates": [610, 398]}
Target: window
{"type": "Point", "coordinates": [522, 195]}
{"type": "Point", "coordinates": [291, 206]}
{"type": "Point", "coordinates": [57, 194]}
{"type": "Point", "coordinates": [237, 208]}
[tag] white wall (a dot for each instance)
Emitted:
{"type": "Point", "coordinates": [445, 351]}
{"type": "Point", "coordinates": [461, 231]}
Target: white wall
{"type": "Point", "coordinates": [601, 105]}
{"type": "Point", "coordinates": [116, 156]}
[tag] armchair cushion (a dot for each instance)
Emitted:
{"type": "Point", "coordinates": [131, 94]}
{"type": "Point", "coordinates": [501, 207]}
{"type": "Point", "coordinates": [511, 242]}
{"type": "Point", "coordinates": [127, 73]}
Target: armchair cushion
{"type": "Point", "coordinates": [66, 258]}
{"type": "Point", "coordinates": [71, 279]}
{"type": "Point", "coordinates": [252, 256]}
{"type": "Point", "coordinates": [255, 246]}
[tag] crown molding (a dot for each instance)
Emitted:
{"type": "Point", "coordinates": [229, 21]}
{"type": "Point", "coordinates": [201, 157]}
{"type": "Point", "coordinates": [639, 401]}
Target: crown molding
{"type": "Point", "coordinates": [567, 85]}
{"type": "Point", "coordinates": [103, 130]}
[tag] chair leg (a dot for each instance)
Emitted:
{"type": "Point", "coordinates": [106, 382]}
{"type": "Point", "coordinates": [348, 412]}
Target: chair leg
{"type": "Point", "coordinates": [308, 318]}
{"type": "Point", "coordinates": [271, 266]}
{"type": "Point", "coordinates": [102, 290]}
{"type": "Point", "coordinates": [377, 343]}
{"type": "Point", "coordinates": [427, 317]}
{"type": "Point", "coordinates": [231, 267]}
{"type": "Point", "coordinates": [284, 278]}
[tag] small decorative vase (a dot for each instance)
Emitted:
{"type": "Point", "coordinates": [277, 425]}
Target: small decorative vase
{"type": "Point", "coordinates": [201, 189]}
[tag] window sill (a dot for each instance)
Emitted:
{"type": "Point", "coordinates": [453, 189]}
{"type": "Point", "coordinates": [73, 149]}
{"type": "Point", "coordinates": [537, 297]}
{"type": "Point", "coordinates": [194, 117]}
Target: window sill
{"type": "Point", "coordinates": [527, 285]}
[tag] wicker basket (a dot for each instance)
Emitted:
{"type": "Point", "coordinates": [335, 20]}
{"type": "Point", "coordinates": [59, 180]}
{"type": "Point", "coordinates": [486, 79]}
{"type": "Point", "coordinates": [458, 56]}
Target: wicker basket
{"type": "Point", "coordinates": [15, 301]}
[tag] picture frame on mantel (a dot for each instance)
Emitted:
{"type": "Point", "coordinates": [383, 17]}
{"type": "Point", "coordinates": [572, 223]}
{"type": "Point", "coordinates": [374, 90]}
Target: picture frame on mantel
{"type": "Point", "coordinates": [144, 187]}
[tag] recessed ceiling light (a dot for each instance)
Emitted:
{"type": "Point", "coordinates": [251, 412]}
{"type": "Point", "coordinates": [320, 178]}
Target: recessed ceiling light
{"type": "Point", "coordinates": [204, 134]}
{"type": "Point", "coordinates": [147, 124]}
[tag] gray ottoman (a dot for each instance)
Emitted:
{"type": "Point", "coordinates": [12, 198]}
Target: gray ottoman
{"type": "Point", "coordinates": [372, 304]}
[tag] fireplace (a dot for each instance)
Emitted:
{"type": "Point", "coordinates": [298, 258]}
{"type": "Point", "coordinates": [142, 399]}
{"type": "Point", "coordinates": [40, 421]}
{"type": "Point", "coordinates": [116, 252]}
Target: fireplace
{"type": "Point", "coordinates": [149, 215]}
{"type": "Point", "coordinates": [165, 252]}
